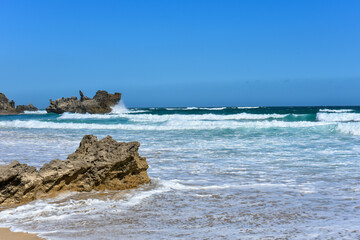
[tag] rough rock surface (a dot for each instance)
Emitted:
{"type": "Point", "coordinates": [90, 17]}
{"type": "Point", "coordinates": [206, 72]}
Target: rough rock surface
{"type": "Point", "coordinates": [23, 108]}
{"type": "Point", "coordinates": [95, 165]}
{"type": "Point", "coordinates": [100, 103]}
{"type": "Point", "coordinates": [8, 107]}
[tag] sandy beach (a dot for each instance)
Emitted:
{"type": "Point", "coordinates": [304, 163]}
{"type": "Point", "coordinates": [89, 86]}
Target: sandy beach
{"type": "Point", "coordinates": [6, 234]}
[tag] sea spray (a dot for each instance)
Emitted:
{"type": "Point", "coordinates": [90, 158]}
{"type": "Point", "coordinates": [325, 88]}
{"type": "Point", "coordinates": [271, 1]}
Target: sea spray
{"type": "Point", "coordinates": [119, 108]}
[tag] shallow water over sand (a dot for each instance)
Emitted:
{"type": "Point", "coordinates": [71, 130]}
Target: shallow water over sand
{"type": "Point", "coordinates": [222, 173]}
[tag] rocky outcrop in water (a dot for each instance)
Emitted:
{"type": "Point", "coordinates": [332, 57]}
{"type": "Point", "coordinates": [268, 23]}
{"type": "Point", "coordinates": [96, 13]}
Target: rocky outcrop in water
{"type": "Point", "coordinates": [100, 103]}
{"type": "Point", "coordinates": [8, 107]}
{"type": "Point", "coordinates": [23, 108]}
{"type": "Point", "coordinates": [95, 165]}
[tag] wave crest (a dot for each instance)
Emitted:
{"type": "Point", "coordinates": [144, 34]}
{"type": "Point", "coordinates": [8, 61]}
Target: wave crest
{"type": "Point", "coordinates": [336, 110]}
{"type": "Point", "coordinates": [338, 117]}
{"type": "Point", "coordinates": [173, 125]}
{"type": "Point", "coordinates": [349, 128]}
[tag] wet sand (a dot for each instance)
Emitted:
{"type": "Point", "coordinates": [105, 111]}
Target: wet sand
{"type": "Point", "coordinates": [6, 234]}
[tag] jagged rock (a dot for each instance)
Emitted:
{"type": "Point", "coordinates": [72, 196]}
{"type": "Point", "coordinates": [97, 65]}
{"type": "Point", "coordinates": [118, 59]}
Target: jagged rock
{"type": "Point", "coordinates": [81, 95]}
{"type": "Point", "coordinates": [6, 106]}
{"type": "Point", "coordinates": [23, 108]}
{"type": "Point", "coordinates": [95, 165]}
{"type": "Point", "coordinates": [101, 103]}
{"type": "Point", "coordinates": [12, 103]}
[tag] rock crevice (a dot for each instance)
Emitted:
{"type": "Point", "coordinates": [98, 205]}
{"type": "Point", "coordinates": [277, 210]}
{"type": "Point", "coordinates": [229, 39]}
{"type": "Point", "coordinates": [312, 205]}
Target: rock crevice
{"type": "Point", "coordinates": [95, 165]}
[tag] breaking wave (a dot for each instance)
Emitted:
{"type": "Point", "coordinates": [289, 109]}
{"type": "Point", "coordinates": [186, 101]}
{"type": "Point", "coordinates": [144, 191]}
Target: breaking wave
{"type": "Point", "coordinates": [119, 108]}
{"type": "Point", "coordinates": [247, 107]}
{"type": "Point", "coordinates": [196, 108]}
{"type": "Point", "coordinates": [349, 128]}
{"type": "Point", "coordinates": [35, 112]}
{"type": "Point", "coordinates": [174, 117]}
{"type": "Point", "coordinates": [336, 110]}
{"type": "Point", "coordinates": [172, 125]}
{"type": "Point", "coordinates": [88, 116]}
{"type": "Point", "coordinates": [338, 117]}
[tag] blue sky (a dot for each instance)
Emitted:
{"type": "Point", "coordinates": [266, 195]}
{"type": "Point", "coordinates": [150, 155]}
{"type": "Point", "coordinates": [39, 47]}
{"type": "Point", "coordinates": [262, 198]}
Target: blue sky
{"type": "Point", "coordinates": [182, 53]}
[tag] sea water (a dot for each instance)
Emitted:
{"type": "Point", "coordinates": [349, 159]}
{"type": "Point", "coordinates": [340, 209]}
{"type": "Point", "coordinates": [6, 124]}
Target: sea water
{"type": "Point", "coordinates": [216, 173]}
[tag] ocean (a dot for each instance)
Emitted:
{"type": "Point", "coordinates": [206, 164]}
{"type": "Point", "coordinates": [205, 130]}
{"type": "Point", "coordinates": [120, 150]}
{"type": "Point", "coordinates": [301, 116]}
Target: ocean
{"type": "Point", "coordinates": [217, 173]}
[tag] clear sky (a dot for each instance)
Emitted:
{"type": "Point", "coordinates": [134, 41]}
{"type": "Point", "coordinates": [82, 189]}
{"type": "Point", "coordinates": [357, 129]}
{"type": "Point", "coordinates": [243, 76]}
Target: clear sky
{"type": "Point", "coordinates": [182, 53]}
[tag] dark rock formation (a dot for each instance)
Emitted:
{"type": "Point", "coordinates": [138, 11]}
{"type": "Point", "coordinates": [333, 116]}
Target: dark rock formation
{"type": "Point", "coordinates": [23, 108]}
{"type": "Point", "coordinates": [8, 107]}
{"type": "Point", "coordinates": [81, 95]}
{"type": "Point", "coordinates": [101, 103]}
{"type": "Point", "coordinates": [95, 165]}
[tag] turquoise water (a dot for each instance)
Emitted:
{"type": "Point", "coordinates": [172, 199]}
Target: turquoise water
{"type": "Point", "coordinates": [217, 173]}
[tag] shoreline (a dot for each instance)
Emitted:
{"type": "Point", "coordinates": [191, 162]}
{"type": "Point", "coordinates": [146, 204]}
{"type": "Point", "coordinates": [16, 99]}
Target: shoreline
{"type": "Point", "coordinates": [5, 233]}
{"type": "Point", "coordinates": [4, 114]}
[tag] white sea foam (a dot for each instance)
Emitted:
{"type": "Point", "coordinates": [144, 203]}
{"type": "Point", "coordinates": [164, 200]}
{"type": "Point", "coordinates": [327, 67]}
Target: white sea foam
{"type": "Point", "coordinates": [35, 112]}
{"type": "Point", "coordinates": [213, 108]}
{"type": "Point", "coordinates": [180, 186]}
{"type": "Point", "coordinates": [172, 125]}
{"type": "Point", "coordinates": [63, 210]}
{"type": "Point", "coordinates": [336, 110]}
{"type": "Point", "coordinates": [338, 117]}
{"type": "Point", "coordinates": [178, 108]}
{"type": "Point", "coordinates": [119, 108]}
{"type": "Point", "coordinates": [177, 185]}
{"type": "Point", "coordinates": [208, 108]}
{"type": "Point", "coordinates": [65, 206]}
{"type": "Point", "coordinates": [198, 108]}
{"type": "Point", "coordinates": [349, 128]}
{"type": "Point", "coordinates": [67, 115]}
{"type": "Point", "coordinates": [174, 117]}
{"type": "Point", "coordinates": [197, 117]}
{"type": "Point", "coordinates": [246, 107]}
{"type": "Point", "coordinates": [114, 114]}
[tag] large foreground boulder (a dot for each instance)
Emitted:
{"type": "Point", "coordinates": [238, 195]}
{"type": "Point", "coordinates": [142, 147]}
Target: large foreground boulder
{"type": "Point", "coordinates": [8, 107]}
{"type": "Point", "coordinates": [95, 165]}
{"type": "Point", "coordinates": [100, 103]}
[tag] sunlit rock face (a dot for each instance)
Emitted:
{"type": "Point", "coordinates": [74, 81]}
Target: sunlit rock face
{"type": "Point", "coordinates": [95, 165]}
